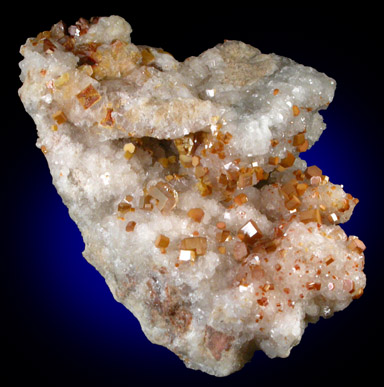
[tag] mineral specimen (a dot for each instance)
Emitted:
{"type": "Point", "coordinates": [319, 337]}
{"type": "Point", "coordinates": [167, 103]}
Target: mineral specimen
{"type": "Point", "coordinates": [186, 184]}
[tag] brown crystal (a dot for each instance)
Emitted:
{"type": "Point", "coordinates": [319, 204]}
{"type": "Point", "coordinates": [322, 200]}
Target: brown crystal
{"type": "Point", "coordinates": [290, 187]}
{"type": "Point", "coordinates": [288, 160]}
{"type": "Point", "coordinates": [298, 139]}
{"type": "Point", "coordinates": [240, 251]}
{"type": "Point", "coordinates": [195, 161]}
{"type": "Point", "coordinates": [145, 203]}
{"type": "Point", "coordinates": [250, 232]}
{"type": "Point", "coordinates": [108, 120]}
{"type": "Point", "coordinates": [273, 160]}
{"type": "Point", "coordinates": [241, 199]}
{"type": "Point", "coordinates": [130, 226]}
{"type": "Point", "coordinates": [200, 171]}
{"type": "Point", "coordinates": [313, 285]}
{"type": "Point", "coordinates": [295, 110]}
{"type": "Point", "coordinates": [147, 56]}
{"type": "Point", "coordinates": [196, 214]}
{"type": "Point", "coordinates": [247, 179]}
{"type": "Point", "coordinates": [165, 196]}
{"type": "Point", "coordinates": [162, 241]}
{"type": "Point", "coordinates": [197, 244]}
{"type": "Point", "coordinates": [204, 187]}
{"type": "Point", "coordinates": [333, 218]}
{"type": "Point", "coordinates": [301, 188]}
{"type": "Point", "coordinates": [124, 207]}
{"type": "Point", "coordinates": [356, 245]}
{"type": "Point", "coordinates": [59, 117]}
{"type": "Point", "coordinates": [48, 46]}
{"type": "Point", "coordinates": [312, 215]}
{"type": "Point", "coordinates": [313, 171]}
{"type": "Point", "coordinates": [88, 97]}
{"type": "Point", "coordinates": [223, 236]}
{"type": "Point", "coordinates": [303, 147]}
{"type": "Point", "coordinates": [187, 255]}
{"type": "Point", "coordinates": [293, 203]}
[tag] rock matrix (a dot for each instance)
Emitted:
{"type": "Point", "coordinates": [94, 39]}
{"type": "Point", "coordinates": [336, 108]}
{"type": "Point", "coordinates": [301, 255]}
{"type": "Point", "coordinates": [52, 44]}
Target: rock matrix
{"type": "Point", "coordinates": [186, 182]}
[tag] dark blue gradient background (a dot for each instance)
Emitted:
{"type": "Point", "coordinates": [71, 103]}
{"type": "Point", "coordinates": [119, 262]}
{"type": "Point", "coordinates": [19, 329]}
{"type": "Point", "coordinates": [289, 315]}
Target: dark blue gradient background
{"type": "Point", "coordinates": [59, 321]}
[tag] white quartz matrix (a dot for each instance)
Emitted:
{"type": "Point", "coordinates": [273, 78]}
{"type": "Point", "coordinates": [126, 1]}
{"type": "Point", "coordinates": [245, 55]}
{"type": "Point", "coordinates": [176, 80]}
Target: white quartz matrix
{"type": "Point", "coordinates": [185, 181]}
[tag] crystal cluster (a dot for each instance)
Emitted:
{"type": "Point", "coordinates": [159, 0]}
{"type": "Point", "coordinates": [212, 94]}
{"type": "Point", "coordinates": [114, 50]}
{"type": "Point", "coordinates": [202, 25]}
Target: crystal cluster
{"type": "Point", "coordinates": [185, 181]}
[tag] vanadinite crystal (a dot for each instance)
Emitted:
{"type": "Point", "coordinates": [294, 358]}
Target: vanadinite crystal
{"type": "Point", "coordinates": [185, 181]}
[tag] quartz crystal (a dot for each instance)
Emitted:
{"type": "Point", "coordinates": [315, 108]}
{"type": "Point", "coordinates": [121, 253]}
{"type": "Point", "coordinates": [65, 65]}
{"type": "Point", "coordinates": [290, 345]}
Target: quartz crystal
{"type": "Point", "coordinates": [185, 181]}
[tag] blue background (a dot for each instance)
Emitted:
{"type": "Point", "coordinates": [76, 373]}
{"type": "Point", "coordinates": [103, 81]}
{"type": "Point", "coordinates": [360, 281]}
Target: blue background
{"type": "Point", "coordinates": [59, 321]}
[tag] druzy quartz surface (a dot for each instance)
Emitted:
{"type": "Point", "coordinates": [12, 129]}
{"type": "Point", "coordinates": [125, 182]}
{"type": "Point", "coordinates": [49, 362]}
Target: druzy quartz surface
{"type": "Point", "coordinates": [185, 181]}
